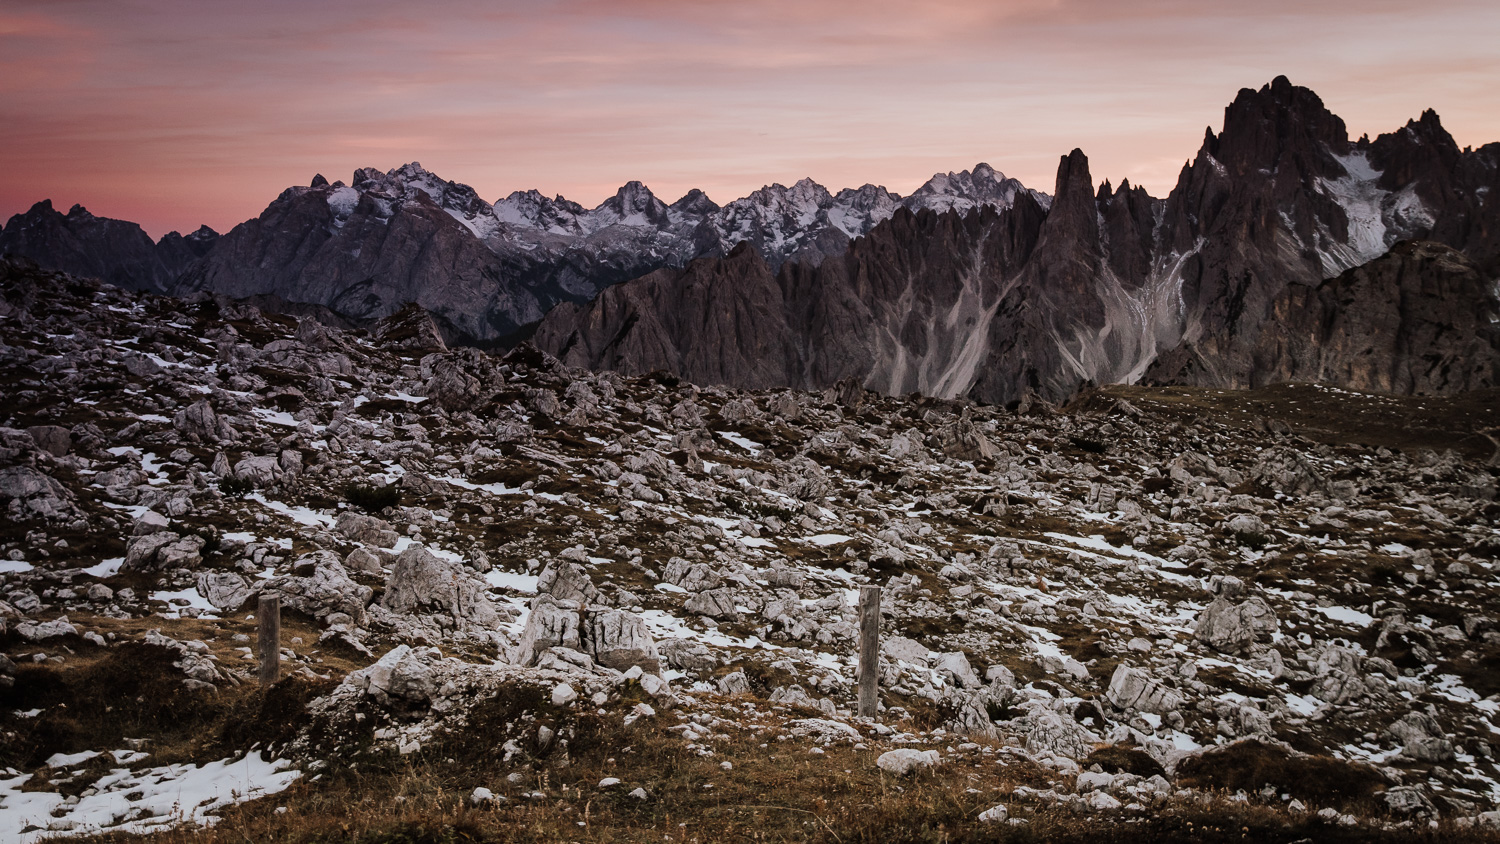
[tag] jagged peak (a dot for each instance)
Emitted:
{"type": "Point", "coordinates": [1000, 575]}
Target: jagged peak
{"type": "Point", "coordinates": [1429, 127]}
{"type": "Point", "coordinates": [695, 201]}
{"type": "Point", "coordinates": [1260, 126]}
{"type": "Point", "coordinates": [412, 169]}
{"type": "Point", "coordinates": [634, 192]}
{"type": "Point", "coordinates": [1073, 173]}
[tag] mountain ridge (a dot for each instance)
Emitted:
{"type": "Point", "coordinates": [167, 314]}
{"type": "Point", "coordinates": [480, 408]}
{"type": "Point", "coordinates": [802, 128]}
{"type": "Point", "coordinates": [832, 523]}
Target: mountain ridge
{"type": "Point", "coordinates": [1082, 286]}
{"type": "Point", "coordinates": [1116, 287]}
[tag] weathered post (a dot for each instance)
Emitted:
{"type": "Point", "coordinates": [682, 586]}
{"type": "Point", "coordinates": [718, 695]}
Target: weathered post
{"type": "Point", "coordinates": [268, 638]}
{"type": "Point", "coordinates": [869, 651]}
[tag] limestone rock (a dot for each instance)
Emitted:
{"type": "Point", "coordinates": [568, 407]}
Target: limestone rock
{"type": "Point", "coordinates": [162, 550]}
{"type": "Point", "coordinates": [326, 589]}
{"type": "Point", "coordinates": [1131, 688]}
{"type": "Point", "coordinates": [421, 583]}
{"type": "Point", "coordinates": [368, 530]}
{"type": "Point", "coordinates": [199, 423]}
{"type": "Point", "coordinates": [567, 581]}
{"type": "Point", "coordinates": [260, 471]}
{"type": "Point", "coordinates": [716, 603]}
{"type": "Point", "coordinates": [1232, 627]}
{"type": "Point", "coordinates": [905, 760]}
{"type": "Point", "coordinates": [1052, 733]}
{"type": "Point", "coordinates": [619, 639]}
{"type": "Point", "coordinates": [402, 675]}
{"type": "Point", "coordinates": [551, 623]}
{"type": "Point", "coordinates": [225, 590]}
{"type": "Point", "coordinates": [34, 495]}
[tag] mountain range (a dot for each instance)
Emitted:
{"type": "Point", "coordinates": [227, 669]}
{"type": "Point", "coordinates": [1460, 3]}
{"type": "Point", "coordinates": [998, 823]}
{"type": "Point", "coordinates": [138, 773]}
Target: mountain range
{"type": "Point", "coordinates": [485, 271]}
{"type": "Point", "coordinates": [973, 286]}
{"type": "Point", "coordinates": [1238, 278]}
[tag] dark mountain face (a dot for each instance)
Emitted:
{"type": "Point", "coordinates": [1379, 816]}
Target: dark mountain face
{"type": "Point", "coordinates": [1389, 326]}
{"type": "Point", "coordinates": [972, 286]}
{"type": "Point", "coordinates": [364, 253]}
{"type": "Point", "coordinates": [79, 243]}
{"type": "Point", "coordinates": [1105, 286]}
{"type": "Point", "coordinates": [365, 249]}
{"type": "Point", "coordinates": [178, 252]}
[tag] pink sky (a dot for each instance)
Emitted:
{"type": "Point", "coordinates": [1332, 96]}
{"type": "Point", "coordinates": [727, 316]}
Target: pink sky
{"type": "Point", "coordinates": [175, 112]}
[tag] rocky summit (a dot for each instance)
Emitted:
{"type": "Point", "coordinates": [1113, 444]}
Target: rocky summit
{"type": "Point", "coordinates": [522, 600]}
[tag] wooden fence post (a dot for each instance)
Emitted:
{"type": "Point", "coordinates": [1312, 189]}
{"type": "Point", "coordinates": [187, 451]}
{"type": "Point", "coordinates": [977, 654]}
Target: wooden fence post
{"type": "Point", "coordinates": [268, 638]}
{"type": "Point", "coordinates": [869, 651]}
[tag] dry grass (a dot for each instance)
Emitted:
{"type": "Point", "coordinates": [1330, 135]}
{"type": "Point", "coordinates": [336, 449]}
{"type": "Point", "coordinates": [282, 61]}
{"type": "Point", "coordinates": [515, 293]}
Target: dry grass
{"type": "Point", "coordinates": [778, 789]}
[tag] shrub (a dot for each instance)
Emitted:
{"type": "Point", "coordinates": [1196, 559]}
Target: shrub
{"type": "Point", "coordinates": [371, 497]}
{"type": "Point", "coordinates": [233, 486]}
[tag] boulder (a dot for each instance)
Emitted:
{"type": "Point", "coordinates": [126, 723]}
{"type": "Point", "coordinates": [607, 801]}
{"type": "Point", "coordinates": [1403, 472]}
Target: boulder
{"type": "Point", "coordinates": [970, 715]}
{"type": "Point", "coordinates": [619, 639]}
{"type": "Point", "coordinates": [1131, 688]}
{"type": "Point", "coordinates": [53, 439]}
{"type": "Point", "coordinates": [225, 590]}
{"type": "Point", "coordinates": [1422, 738]}
{"type": "Point", "coordinates": [567, 581]}
{"type": "Point", "coordinates": [325, 590]}
{"type": "Point", "coordinates": [421, 583]}
{"type": "Point", "coordinates": [905, 760]}
{"type": "Point", "coordinates": [34, 494]}
{"type": "Point", "coordinates": [956, 667]}
{"type": "Point", "coordinates": [450, 387]}
{"type": "Point", "coordinates": [994, 814]}
{"type": "Point", "coordinates": [694, 577]}
{"type": "Point", "coordinates": [366, 530]}
{"type": "Point", "coordinates": [402, 675]}
{"type": "Point", "coordinates": [261, 471]}
{"type": "Point", "coordinates": [734, 683]}
{"type": "Point", "coordinates": [162, 550]}
{"type": "Point", "coordinates": [906, 650]}
{"type": "Point", "coordinates": [715, 603]}
{"type": "Point", "coordinates": [962, 440]}
{"type": "Point", "coordinates": [1230, 627]}
{"type": "Point", "coordinates": [199, 423]}
{"type": "Point", "coordinates": [1048, 732]}
{"type": "Point", "coordinates": [1408, 800]}
{"type": "Point", "coordinates": [551, 623]}
{"type": "Point", "coordinates": [37, 631]}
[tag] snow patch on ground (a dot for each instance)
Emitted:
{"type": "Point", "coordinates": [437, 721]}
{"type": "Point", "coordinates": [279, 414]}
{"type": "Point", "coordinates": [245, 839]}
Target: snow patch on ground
{"type": "Point", "coordinates": [139, 802]}
{"type": "Point", "coordinates": [524, 583]}
{"type": "Point", "coordinates": [300, 515]}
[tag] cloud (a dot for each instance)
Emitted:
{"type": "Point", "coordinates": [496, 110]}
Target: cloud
{"type": "Point", "coordinates": [175, 112]}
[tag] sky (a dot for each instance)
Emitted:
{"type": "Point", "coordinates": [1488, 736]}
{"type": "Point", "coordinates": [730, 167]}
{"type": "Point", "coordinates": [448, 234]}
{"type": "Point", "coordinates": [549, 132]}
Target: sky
{"type": "Point", "coordinates": [173, 113]}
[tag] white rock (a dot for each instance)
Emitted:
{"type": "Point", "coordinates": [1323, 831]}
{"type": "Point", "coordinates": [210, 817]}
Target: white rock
{"type": "Point", "coordinates": [1099, 801]}
{"type": "Point", "coordinates": [1131, 688]}
{"type": "Point", "coordinates": [609, 782]}
{"type": "Point", "coordinates": [905, 760]}
{"type": "Point", "coordinates": [655, 686]}
{"type": "Point", "coordinates": [1090, 781]}
{"type": "Point", "coordinates": [481, 797]}
{"type": "Point", "coordinates": [563, 694]}
{"type": "Point", "coordinates": [994, 814]}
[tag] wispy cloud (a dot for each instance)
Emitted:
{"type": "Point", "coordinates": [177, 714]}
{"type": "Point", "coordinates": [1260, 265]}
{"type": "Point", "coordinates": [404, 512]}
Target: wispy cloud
{"type": "Point", "coordinates": [174, 112]}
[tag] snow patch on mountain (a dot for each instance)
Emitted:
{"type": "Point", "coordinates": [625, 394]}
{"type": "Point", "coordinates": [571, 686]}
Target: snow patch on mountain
{"type": "Point", "coordinates": [1360, 195]}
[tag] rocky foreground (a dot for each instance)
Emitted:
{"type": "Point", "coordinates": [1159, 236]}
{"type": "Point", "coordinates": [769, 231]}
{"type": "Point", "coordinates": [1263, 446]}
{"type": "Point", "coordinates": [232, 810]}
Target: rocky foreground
{"type": "Point", "coordinates": [530, 602]}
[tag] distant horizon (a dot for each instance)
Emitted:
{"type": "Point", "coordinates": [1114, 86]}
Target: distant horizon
{"type": "Point", "coordinates": [173, 115]}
